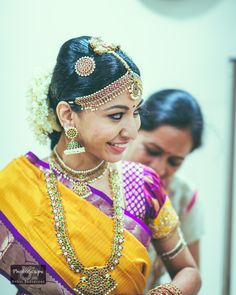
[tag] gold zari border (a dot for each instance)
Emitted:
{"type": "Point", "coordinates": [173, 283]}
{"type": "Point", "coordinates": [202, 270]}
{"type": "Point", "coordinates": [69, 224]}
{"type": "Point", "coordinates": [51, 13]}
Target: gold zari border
{"type": "Point", "coordinates": [164, 225]}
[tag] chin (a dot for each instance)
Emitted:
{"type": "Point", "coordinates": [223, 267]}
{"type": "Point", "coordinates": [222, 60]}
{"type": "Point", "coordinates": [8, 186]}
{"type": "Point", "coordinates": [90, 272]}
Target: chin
{"type": "Point", "coordinates": [113, 158]}
{"type": "Point", "coordinates": [114, 161]}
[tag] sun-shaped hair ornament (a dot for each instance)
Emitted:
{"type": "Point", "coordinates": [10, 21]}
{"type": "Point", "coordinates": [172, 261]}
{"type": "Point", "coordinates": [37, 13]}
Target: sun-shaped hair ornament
{"type": "Point", "coordinates": [85, 66]}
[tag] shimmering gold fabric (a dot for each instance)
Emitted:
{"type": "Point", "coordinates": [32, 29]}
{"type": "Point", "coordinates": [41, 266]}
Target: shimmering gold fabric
{"type": "Point", "coordinates": [166, 221]}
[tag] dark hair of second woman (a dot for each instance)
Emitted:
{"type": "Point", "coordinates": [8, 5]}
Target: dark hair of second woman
{"type": "Point", "coordinates": [173, 107]}
{"type": "Point", "coordinates": [66, 84]}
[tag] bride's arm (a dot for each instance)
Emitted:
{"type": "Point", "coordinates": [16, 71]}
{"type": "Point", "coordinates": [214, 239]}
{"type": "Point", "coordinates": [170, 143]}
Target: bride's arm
{"type": "Point", "coordinates": [179, 263]}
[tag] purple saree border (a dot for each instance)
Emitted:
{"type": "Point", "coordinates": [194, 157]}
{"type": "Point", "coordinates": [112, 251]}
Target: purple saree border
{"type": "Point", "coordinates": [35, 160]}
{"type": "Point", "coordinates": [136, 219]}
{"type": "Point", "coordinates": [33, 252]}
{"type": "Point", "coordinates": [45, 165]}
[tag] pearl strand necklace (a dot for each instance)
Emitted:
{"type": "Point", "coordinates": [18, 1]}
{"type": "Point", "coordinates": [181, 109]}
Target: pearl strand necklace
{"type": "Point", "coordinates": [73, 171]}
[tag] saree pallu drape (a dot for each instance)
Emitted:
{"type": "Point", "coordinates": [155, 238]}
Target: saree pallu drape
{"type": "Point", "coordinates": [27, 234]}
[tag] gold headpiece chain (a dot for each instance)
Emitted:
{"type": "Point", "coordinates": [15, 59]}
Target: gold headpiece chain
{"type": "Point", "coordinates": [130, 81]}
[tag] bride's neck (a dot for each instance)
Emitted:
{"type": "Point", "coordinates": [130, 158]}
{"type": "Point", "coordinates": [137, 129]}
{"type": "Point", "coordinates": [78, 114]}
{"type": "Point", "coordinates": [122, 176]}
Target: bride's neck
{"type": "Point", "coordinates": [76, 161]}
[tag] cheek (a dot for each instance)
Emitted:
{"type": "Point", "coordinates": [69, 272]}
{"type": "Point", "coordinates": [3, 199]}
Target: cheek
{"type": "Point", "coordinates": [172, 170]}
{"type": "Point", "coordinates": [142, 157]}
{"type": "Point", "coordinates": [102, 133]}
{"type": "Point", "coordinates": [138, 123]}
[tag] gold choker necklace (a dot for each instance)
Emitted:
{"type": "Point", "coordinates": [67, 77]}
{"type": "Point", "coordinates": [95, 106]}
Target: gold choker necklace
{"type": "Point", "coordinates": [76, 172]}
{"type": "Point", "coordinates": [79, 182]}
{"type": "Point", "coordinates": [95, 280]}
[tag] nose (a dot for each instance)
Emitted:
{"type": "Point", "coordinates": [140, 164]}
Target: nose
{"type": "Point", "coordinates": [159, 164]}
{"type": "Point", "coordinates": [130, 130]}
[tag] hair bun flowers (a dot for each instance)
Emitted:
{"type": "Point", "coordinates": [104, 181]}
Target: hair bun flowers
{"type": "Point", "coordinates": [42, 119]}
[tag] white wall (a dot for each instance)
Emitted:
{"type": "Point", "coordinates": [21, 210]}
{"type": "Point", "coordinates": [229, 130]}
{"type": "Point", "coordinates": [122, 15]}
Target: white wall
{"type": "Point", "coordinates": [185, 44]}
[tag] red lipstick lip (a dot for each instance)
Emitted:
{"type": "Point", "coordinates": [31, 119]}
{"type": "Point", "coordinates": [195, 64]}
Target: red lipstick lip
{"type": "Point", "coordinates": [116, 149]}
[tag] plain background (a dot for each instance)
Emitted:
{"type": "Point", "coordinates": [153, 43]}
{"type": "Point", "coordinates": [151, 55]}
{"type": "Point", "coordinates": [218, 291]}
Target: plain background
{"type": "Point", "coordinates": [183, 44]}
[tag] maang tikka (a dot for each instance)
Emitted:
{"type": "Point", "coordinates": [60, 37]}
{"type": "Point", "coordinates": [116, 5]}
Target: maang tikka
{"type": "Point", "coordinates": [129, 81]}
{"type": "Point", "coordinates": [73, 146]}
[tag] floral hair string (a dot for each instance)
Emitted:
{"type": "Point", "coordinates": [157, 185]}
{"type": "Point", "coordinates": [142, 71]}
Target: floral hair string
{"type": "Point", "coordinates": [41, 117]}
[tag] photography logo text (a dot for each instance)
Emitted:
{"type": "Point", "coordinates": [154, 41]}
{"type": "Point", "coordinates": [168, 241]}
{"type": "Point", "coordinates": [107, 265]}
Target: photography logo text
{"type": "Point", "coordinates": [28, 274]}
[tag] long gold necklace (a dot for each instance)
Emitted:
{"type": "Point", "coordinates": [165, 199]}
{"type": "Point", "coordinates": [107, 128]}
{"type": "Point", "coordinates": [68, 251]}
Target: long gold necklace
{"type": "Point", "coordinates": [95, 280]}
{"type": "Point", "coordinates": [79, 178]}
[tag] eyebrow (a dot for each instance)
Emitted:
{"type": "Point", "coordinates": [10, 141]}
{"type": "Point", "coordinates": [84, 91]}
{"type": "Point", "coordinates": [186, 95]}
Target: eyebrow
{"type": "Point", "coordinates": [121, 106]}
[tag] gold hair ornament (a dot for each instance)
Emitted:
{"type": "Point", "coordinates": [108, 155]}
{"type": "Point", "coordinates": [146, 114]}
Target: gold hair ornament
{"type": "Point", "coordinates": [130, 81]}
{"type": "Point", "coordinates": [85, 66]}
{"type": "Point", "coordinates": [100, 47]}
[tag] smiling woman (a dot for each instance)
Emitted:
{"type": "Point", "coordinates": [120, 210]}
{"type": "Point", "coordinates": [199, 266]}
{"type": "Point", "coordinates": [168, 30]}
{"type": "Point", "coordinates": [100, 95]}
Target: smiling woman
{"type": "Point", "coordinates": [117, 123]}
{"type": "Point", "coordinates": [83, 212]}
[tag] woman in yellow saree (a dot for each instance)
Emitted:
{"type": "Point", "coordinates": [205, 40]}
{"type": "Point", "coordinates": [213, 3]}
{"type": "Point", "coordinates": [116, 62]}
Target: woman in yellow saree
{"type": "Point", "coordinates": [82, 214]}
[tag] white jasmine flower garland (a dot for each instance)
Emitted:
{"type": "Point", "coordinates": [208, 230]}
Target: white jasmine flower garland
{"type": "Point", "coordinates": [42, 119]}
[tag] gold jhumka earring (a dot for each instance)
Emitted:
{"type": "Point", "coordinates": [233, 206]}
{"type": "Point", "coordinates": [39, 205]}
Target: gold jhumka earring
{"type": "Point", "coordinates": [73, 147]}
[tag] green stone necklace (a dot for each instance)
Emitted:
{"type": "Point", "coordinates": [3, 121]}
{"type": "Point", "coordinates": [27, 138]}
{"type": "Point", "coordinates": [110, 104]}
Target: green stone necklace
{"type": "Point", "coordinates": [95, 280]}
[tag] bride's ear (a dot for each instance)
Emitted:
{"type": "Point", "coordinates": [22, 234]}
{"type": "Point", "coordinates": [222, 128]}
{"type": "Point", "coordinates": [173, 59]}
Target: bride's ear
{"type": "Point", "coordinates": [64, 114]}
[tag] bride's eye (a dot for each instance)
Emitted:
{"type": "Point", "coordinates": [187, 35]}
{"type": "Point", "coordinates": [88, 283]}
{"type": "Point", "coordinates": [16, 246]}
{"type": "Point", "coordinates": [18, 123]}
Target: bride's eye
{"type": "Point", "coordinates": [116, 116]}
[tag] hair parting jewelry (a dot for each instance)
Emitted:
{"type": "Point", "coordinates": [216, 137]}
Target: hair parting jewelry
{"type": "Point", "coordinates": [130, 81]}
{"type": "Point", "coordinates": [135, 84]}
{"type": "Point", "coordinates": [180, 245]}
{"type": "Point", "coordinates": [166, 289]}
{"type": "Point", "coordinates": [95, 280]}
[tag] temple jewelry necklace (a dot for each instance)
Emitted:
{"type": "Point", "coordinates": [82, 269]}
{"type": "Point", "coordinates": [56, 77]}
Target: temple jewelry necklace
{"type": "Point", "coordinates": [80, 184]}
{"type": "Point", "coordinates": [75, 172]}
{"type": "Point", "coordinates": [79, 180]}
{"type": "Point", "coordinates": [94, 280]}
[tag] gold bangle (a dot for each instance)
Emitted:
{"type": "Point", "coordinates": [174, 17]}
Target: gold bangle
{"type": "Point", "coordinates": [180, 245]}
{"type": "Point", "coordinates": [174, 289]}
{"type": "Point", "coordinates": [165, 289]}
{"type": "Point", "coordinates": [159, 292]}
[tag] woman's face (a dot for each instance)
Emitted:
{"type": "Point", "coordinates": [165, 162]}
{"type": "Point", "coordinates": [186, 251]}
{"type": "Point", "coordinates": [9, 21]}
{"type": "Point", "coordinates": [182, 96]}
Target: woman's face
{"type": "Point", "coordinates": [106, 133]}
{"type": "Point", "coordinates": [163, 149]}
